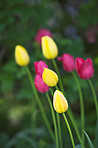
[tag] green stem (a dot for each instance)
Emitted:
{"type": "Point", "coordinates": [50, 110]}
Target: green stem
{"type": "Point", "coordinates": [71, 136]}
{"type": "Point", "coordinates": [95, 97]}
{"type": "Point", "coordinates": [54, 120]}
{"type": "Point", "coordinates": [56, 87]}
{"type": "Point", "coordinates": [75, 127]}
{"type": "Point", "coordinates": [59, 129]}
{"type": "Point", "coordinates": [58, 121]}
{"type": "Point", "coordinates": [60, 81]}
{"type": "Point", "coordinates": [81, 104]}
{"type": "Point", "coordinates": [39, 103]}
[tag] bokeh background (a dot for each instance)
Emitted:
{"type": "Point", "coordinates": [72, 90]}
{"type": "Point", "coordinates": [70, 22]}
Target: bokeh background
{"type": "Point", "coordinates": [74, 26]}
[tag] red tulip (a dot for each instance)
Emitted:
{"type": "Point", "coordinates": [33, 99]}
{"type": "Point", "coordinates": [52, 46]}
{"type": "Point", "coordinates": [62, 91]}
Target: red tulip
{"type": "Point", "coordinates": [40, 85]}
{"type": "Point", "coordinates": [84, 68]}
{"type": "Point", "coordinates": [41, 33]}
{"type": "Point", "coordinates": [39, 67]}
{"type": "Point", "coordinates": [68, 62]}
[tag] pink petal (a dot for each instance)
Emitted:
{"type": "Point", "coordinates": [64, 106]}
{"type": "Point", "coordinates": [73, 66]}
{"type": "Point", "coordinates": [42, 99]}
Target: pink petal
{"type": "Point", "coordinates": [40, 85]}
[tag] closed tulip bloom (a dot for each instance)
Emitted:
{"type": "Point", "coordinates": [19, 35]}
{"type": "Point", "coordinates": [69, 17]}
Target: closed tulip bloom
{"type": "Point", "coordinates": [49, 48]}
{"type": "Point", "coordinates": [59, 102]}
{"type": "Point", "coordinates": [68, 62]}
{"type": "Point", "coordinates": [21, 56]}
{"type": "Point", "coordinates": [41, 33]}
{"type": "Point", "coordinates": [39, 67]}
{"type": "Point", "coordinates": [40, 85]}
{"type": "Point", "coordinates": [84, 68]}
{"type": "Point", "coordinates": [50, 77]}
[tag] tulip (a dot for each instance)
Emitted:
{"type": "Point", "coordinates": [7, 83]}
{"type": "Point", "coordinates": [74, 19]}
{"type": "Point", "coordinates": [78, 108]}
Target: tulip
{"type": "Point", "coordinates": [41, 33]}
{"type": "Point", "coordinates": [21, 56]}
{"type": "Point", "coordinates": [59, 102]}
{"type": "Point", "coordinates": [40, 85]}
{"type": "Point", "coordinates": [49, 48]}
{"type": "Point", "coordinates": [84, 68]}
{"type": "Point", "coordinates": [39, 67]}
{"type": "Point", "coordinates": [50, 77]}
{"type": "Point", "coordinates": [68, 62]}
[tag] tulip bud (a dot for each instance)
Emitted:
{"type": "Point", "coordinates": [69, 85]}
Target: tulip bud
{"type": "Point", "coordinates": [59, 102]}
{"type": "Point", "coordinates": [68, 62]}
{"type": "Point", "coordinates": [39, 67]}
{"type": "Point", "coordinates": [50, 77]}
{"type": "Point", "coordinates": [40, 85]}
{"type": "Point", "coordinates": [49, 48]}
{"type": "Point", "coordinates": [21, 56]}
{"type": "Point", "coordinates": [84, 68]}
{"type": "Point", "coordinates": [41, 33]}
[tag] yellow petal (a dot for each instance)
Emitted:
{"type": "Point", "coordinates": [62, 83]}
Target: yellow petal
{"type": "Point", "coordinates": [50, 77]}
{"type": "Point", "coordinates": [59, 102]}
{"type": "Point", "coordinates": [49, 48]}
{"type": "Point", "coordinates": [21, 56]}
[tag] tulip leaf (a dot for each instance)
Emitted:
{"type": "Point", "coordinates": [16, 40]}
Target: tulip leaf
{"type": "Point", "coordinates": [89, 141]}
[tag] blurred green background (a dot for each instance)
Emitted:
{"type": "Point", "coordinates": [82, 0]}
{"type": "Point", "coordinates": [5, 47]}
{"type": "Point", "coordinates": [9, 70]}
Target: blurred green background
{"type": "Point", "coordinates": [74, 26]}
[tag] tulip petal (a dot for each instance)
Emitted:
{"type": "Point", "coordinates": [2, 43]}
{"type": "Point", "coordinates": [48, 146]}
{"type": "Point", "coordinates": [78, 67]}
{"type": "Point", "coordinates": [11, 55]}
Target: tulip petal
{"type": "Point", "coordinates": [21, 56]}
{"type": "Point", "coordinates": [79, 62]}
{"type": "Point", "coordinates": [40, 85]}
{"type": "Point", "coordinates": [49, 48]}
{"type": "Point", "coordinates": [87, 70]}
{"type": "Point", "coordinates": [39, 67]}
{"type": "Point", "coordinates": [42, 32]}
{"type": "Point", "coordinates": [50, 77]}
{"type": "Point", "coordinates": [59, 102]}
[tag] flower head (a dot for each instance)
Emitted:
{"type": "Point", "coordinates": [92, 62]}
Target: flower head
{"type": "Point", "coordinates": [41, 33]}
{"type": "Point", "coordinates": [40, 85]}
{"type": "Point", "coordinates": [68, 62]}
{"type": "Point", "coordinates": [59, 102]}
{"type": "Point", "coordinates": [84, 68]}
{"type": "Point", "coordinates": [21, 56]}
{"type": "Point", "coordinates": [50, 77]}
{"type": "Point", "coordinates": [49, 48]}
{"type": "Point", "coordinates": [39, 67]}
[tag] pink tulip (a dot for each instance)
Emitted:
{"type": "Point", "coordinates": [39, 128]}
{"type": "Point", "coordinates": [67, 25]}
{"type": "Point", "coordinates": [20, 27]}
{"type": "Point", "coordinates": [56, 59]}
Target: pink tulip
{"type": "Point", "coordinates": [68, 62]}
{"type": "Point", "coordinates": [39, 67]}
{"type": "Point", "coordinates": [41, 33]}
{"type": "Point", "coordinates": [84, 68]}
{"type": "Point", "coordinates": [40, 85]}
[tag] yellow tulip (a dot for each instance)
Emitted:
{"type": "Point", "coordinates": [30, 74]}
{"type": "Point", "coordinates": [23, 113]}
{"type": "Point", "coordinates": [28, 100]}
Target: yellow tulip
{"type": "Point", "coordinates": [50, 77]}
{"type": "Point", "coordinates": [21, 56]}
{"type": "Point", "coordinates": [49, 47]}
{"type": "Point", "coordinates": [59, 102]}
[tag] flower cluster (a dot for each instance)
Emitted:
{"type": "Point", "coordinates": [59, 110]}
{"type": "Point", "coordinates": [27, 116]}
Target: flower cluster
{"type": "Point", "coordinates": [39, 83]}
{"type": "Point", "coordinates": [46, 78]}
{"type": "Point", "coordinates": [84, 68]}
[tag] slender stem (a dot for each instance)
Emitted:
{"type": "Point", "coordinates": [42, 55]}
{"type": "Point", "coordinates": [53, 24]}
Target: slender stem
{"type": "Point", "coordinates": [54, 120]}
{"type": "Point", "coordinates": [81, 104]}
{"type": "Point", "coordinates": [58, 121]}
{"type": "Point", "coordinates": [60, 81]}
{"type": "Point", "coordinates": [56, 87]}
{"type": "Point", "coordinates": [95, 97]}
{"type": "Point", "coordinates": [59, 129]}
{"type": "Point", "coordinates": [75, 127]}
{"type": "Point", "coordinates": [71, 136]}
{"type": "Point", "coordinates": [51, 91]}
{"type": "Point", "coordinates": [39, 103]}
